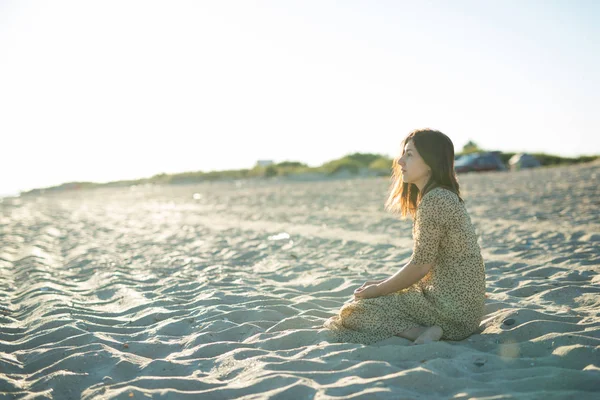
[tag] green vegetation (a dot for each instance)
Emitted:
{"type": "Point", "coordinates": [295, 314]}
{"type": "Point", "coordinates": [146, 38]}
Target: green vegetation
{"type": "Point", "coordinates": [547, 159]}
{"type": "Point", "coordinates": [363, 164]}
{"type": "Point", "coordinates": [470, 147]}
{"type": "Point", "coordinates": [356, 162]}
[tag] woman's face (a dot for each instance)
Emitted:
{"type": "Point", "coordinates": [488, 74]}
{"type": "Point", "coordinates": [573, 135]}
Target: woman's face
{"type": "Point", "coordinates": [414, 169]}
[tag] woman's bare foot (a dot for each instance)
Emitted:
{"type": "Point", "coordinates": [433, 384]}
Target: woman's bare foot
{"type": "Point", "coordinates": [431, 334]}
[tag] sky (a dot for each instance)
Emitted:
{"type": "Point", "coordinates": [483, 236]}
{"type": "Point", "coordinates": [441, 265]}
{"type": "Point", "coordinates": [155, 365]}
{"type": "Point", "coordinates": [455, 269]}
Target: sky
{"type": "Point", "coordinates": [111, 90]}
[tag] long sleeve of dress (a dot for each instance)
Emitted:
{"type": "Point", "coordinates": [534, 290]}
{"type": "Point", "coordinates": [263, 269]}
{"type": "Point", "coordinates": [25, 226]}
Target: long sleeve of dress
{"type": "Point", "coordinates": [430, 225]}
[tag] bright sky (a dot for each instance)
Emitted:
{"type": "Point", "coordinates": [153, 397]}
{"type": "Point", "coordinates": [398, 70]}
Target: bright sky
{"type": "Point", "coordinates": [110, 90]}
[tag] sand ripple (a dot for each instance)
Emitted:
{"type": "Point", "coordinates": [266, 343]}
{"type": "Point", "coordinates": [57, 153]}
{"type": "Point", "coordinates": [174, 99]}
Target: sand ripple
{"type": "Point", "coordinates": [152, 292]}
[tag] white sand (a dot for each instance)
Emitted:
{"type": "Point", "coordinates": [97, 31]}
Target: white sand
{"type": "Point", "coordinates": [152, 293]}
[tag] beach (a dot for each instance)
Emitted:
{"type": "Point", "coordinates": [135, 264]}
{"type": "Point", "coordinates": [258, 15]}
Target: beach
{"type": "Point", "coordinates": [220, 290]}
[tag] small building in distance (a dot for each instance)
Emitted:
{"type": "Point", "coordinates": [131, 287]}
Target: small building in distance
{"type": "Point", "coordinates": [264, 163]}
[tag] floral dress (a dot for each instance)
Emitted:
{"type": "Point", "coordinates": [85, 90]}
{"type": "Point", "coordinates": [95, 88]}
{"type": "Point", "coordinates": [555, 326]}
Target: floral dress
{"type": "Point", "coordinates": [451, 295]}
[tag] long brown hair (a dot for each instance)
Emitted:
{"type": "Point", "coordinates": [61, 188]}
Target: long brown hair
{"type": "Point", "coordinates": [437, 151]}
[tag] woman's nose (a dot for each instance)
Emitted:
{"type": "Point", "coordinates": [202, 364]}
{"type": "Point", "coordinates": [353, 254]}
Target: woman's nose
{"type": "Point", "coordinates": [401, 162]}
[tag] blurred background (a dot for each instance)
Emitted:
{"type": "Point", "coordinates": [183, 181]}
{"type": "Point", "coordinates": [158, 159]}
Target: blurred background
{"type": "Point", "coordinates": [184, 91]}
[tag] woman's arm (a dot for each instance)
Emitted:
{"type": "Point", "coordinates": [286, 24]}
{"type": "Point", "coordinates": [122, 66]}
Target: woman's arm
{"type": "Point", "coordinates": [408, 275]}
{"type": "Point", "coordinates": [432, 214]}
{"type": "Point", "coordinates": [430, 220]}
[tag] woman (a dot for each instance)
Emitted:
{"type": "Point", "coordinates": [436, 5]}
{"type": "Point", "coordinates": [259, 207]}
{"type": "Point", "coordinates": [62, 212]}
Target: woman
{"type": "Point", "coordinates": [440, 292]}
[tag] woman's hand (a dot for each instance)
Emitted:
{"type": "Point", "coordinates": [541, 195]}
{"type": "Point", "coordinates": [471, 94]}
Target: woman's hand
{"type": "Point", "coordinates": [368, 283]}
{"type": "Point", "coordinates": [367, 292]}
